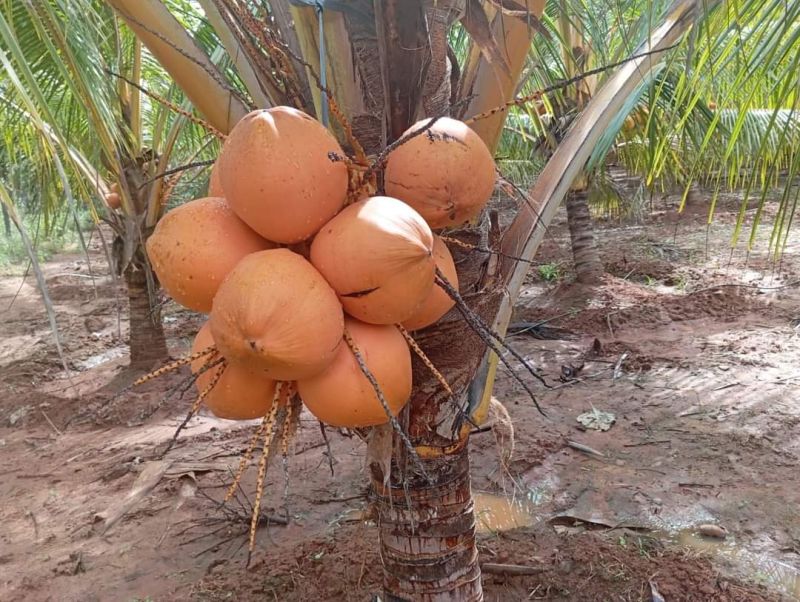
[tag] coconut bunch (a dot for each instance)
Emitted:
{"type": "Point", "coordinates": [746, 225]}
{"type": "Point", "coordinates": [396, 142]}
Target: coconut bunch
{"type": "Point", "coordinates": [113, 199]}
{"type": "Point", "coordinates": [307, 289]}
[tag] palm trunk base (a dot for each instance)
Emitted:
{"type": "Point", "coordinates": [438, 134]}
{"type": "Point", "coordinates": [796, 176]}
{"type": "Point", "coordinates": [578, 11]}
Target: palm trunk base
{"type": "Point", "coordinates": [585, 253]}
{"type": "Point", "coordinates": [148, 344]}
{"type": "Point", "coordinates": [427, 532]}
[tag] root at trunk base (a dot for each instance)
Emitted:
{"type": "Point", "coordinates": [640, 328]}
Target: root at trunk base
{"type": "Point", "coordinates": [427, 531]}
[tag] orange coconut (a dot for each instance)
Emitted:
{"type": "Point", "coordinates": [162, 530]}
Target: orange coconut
{"type": "Point", "coordinates": [629, 125]}
{"type": "Point", "coordinates": [276, 313]}
{"type": "Point", "coordinates": [447, 173]}
{"type": "Point", "coordinates": [214, 183]}
{"type": "Point", "coordinates": [438, 302]}
{"type": "Point", "coordinates": [283, 173]}
{"type": "Point", "coordinates": [113, 200]}
{"type": "Point", "coordinates": [377, 256]}
{"type": "Point", "coordinates": [342, 395]}
{"type": "Point", "coordinates": [195, 245]}
{"type": "Point", "coordinates": [240, 393]}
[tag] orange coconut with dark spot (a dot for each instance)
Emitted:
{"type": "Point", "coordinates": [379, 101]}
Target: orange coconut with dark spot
{"type": "Point", "coordinates": [377, 255]}
{"type": "Point", "coordinates": [283, 173]}
{"type": "Point", "coordinates": [276, 313]}
{"type": "Point", "coordinates": [240, 393]}
{"type": "Point", "coordinates": [447, 173]}
{"type": "Point", "coordinates": [195, 246]}
{"type": "Point", "coordinates": [342, 396]}
{"type": "Point", "coordinates": [438, 302]}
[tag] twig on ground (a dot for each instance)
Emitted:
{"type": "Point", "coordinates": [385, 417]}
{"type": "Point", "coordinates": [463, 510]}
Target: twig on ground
{"type": "Point", "coordinates": [608, 323]}
{"type": "Point", "coordinates": [585, 449]}
{"type": "Point", "coordinates": [35, 525]}
{"type": "Point", "coordinates": [618, 366]}
{"type": "Point", "coordinates": [654, 442]}
{"type": "Point", "coordinates": [492, 568]}
{"type": "Point", "coordinates": [50, 422]}
{"type": "Point", "coordinates": [327, 445]}
{"type": "Point", "coordinates": [576, 381]}
{"type": "Point", "coordinates": [743, 285]}
{"type": "Point", "coordinates": [335, 500]}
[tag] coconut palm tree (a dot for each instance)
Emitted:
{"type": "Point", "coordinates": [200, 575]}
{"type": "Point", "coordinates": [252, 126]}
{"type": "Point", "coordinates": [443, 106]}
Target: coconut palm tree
{"type": "Point", "coordinates": [387, 64]}
{"type": "Point", "coordinates": [84, 131]}
{"type": "Point", "coordinates": [368, 69]}
{"type": "Point", "coordinates": [674, 130]}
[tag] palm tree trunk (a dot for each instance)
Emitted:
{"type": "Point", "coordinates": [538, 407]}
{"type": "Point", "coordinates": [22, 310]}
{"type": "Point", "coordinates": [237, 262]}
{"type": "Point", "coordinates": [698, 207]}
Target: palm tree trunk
{"type": "Point", "coordinates": [427, 525]}
{"type": "Point", "coordinates": [585, 253]}
{"type": "Point", "coordinates": [427, 532]}
{"type": "Point", "coordinates": [147, 341]}
{"type": "Point", "coordinates": [6, 221]}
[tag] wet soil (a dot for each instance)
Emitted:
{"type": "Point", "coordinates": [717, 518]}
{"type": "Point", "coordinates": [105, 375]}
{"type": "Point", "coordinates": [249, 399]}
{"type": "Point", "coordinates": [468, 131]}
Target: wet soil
{"type": "Point", "coordinates": [694, 350]}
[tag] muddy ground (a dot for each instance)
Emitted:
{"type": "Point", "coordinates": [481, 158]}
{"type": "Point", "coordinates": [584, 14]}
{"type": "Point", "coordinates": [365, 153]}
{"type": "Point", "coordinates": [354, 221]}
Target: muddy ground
{"type": "Point", "coordinates": [694, 350]}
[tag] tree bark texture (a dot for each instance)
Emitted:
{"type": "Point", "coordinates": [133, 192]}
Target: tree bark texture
{"type": "Point", "coordinates": [427, 526]}
{"type": "Point", "coordinates": [427, 532]}
{"type": "Point", "coordinates": [405, 56]}
{"type": "Point", "coordinates": [585, 253]}
{"type": "Point", "coordinates": [147, 341]}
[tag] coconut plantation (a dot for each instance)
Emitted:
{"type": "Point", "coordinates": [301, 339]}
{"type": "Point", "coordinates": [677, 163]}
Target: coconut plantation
{"type": "Point", "coordinates": [400, 300]}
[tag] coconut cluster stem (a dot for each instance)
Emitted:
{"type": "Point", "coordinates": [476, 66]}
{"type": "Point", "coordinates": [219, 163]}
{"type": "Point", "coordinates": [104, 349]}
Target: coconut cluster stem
{"type": "Point", "coordinates": [381, 159]}
{"type": "Point", "coordinates": [171, 105]}
{"type": "Point", "coordinates": [471, 247]}
{"type": "Point", "coordinates": [262, 467]}
{"type": "Point", "coordinates": [536, 95]}
{"type": "Point", "coordinates": [184, 386]}
{"type": "Point", "coordinates": [358, 150]}
{"type": "Point", "coordinates": [292, 418]}
{"type": "Point", "coordinates": [246, 456]}
{"type": "Point", "coordinates": [199, 400]}
{"type": "Point", "coordinates": [172, 366]}
{"type": "Point", "coordinates": [382, 399]}
{"type": "Point", "coordinates": [217, 77]}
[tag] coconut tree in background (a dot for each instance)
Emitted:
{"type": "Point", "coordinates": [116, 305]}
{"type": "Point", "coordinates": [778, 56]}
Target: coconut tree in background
{"type": "Point", "coordinates": [725, 112]}
{"type": "Point", "coordinates": [675, 129]}
{"type": "Point", "coordinates": [87, 134]}
{"type": "Point", "coordinates": [576, 60]}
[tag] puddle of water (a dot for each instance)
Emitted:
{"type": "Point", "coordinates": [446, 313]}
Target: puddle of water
{"type": "Point", "coordinates": [101, 358]}
{"type": "Point", "coordinates": [758, 567]}
{"type": "Point", "coordinates": [499, 513]}
{"type": "Point", "coordinates": [502, 513]}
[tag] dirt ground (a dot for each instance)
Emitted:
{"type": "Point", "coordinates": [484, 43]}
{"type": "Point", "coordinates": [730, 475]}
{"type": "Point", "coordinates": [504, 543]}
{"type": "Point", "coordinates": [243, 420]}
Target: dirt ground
{"type": "Point", "coordinates": [694, 350]}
